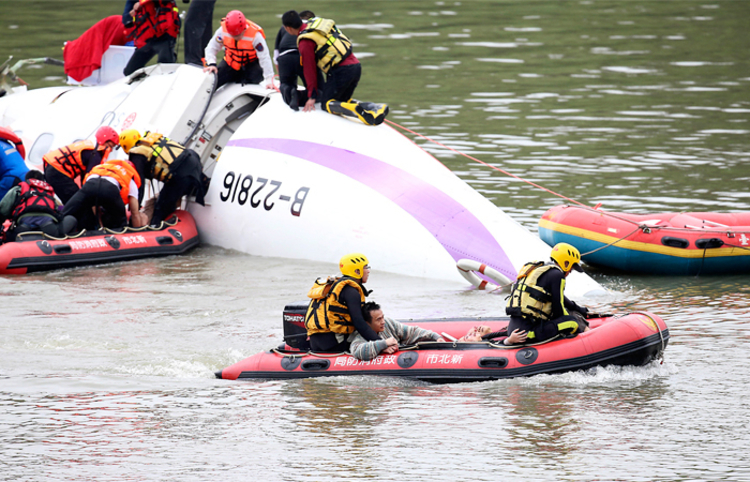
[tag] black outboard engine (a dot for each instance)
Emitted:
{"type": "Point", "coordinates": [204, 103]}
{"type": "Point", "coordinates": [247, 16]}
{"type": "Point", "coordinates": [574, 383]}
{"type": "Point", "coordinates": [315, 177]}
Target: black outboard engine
{"type": "Point", "coordinates": [295, 333]}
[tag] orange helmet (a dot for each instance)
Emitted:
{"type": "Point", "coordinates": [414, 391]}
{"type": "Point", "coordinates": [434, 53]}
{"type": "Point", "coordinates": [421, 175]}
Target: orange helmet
{"type": "Point", "coordinates": [235, 23]}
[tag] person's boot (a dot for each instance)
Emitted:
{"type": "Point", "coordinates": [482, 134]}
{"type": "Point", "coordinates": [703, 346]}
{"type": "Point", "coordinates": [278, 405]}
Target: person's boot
{"type": "Point", "coordinates": [367, 112]}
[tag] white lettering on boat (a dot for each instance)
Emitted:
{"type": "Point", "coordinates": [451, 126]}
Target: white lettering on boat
{"type": "Point", "coordinates": [139, 239]}
{"type": "Point", "coordinates": [88, 244]}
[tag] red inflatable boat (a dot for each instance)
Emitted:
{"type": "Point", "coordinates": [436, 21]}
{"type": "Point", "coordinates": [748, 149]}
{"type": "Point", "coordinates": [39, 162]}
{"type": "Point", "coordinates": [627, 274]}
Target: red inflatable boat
{"type": "Point", "coordinates": [632, 339]}
{"type": "Point", "coordinates": [35, 252]}
{"type": "Point", "coordinates": [662, 243]}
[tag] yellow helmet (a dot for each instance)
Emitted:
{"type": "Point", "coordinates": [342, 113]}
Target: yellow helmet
{"type": "Point", "coordinates": [129, 138]}
{"type": "Point", "coordinates": [353, 265]}
{"type": "Point", "coordinates": [567, 257]}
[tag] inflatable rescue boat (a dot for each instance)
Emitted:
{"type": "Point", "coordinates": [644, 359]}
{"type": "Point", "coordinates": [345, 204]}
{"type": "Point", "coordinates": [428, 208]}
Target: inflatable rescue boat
{"type": "Point", "coordinates": [34, 251]}
{"type": "Point", "coordinates": [303, 185]}
{"type": "Point", "coordinates": [633, 339]}
{"type": "Point", "coordinates": [662, 243]}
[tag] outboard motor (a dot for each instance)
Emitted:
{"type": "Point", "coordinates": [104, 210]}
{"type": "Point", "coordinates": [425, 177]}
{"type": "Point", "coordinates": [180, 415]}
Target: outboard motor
{"type": "Point", "coordinates": [295, 333]}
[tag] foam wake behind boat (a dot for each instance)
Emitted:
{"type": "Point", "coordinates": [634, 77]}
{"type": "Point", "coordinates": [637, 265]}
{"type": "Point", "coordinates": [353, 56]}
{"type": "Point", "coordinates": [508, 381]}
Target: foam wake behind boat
{"type": "Point", "coordinates": [633, 339]}
{"type": "Point", "coordinates": [35, 252]}
{"type": "Point", "coordinates": [662, 243]}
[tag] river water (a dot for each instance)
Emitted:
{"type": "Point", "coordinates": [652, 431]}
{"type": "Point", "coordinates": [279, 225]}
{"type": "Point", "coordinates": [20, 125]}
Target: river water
{"type": "Point", "coordinates": [106, 373]}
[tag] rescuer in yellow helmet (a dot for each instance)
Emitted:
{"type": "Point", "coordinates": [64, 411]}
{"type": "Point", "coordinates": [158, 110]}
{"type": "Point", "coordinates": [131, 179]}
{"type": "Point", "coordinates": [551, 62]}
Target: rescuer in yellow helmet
{"type": "Point", "coordinates": [537, 304]}
{"type": "Point", "coordinates": [334, 314]}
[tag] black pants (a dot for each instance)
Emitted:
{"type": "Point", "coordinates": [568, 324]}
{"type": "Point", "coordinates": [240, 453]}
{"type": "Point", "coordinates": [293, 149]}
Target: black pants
{"type": "Point", "coordinates": [162, 46]}
{"type": "Point", "coordinates": [327, 343]}
{"type": "Point", "coordinates": [64, 186]}
{"type": "Point", "coordinates": [57, 229]}
{"type": "Point", "coordinates": [248, 74]}
{"type": "Point", "coordinates": [104, 194]}
{"type": "Point", "coordinates": [341, 83]}
{"type": "Point", "coordinates": [198, 30]}
{"type": "Point", "coordinates": [185, 180]}
{"type": "Point", "coordinates": [544, 330]}
{"type": "Point", "coordinates": [289, 71]}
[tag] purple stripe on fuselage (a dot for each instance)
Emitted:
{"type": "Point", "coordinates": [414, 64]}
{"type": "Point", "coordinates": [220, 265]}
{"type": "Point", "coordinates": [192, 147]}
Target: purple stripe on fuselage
{"type": "Point", "coordinates": [460, 232]}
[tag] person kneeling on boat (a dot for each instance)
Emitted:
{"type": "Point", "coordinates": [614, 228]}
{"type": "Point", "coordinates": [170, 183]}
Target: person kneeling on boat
{"type": "Point", "coordinates": [158, 157]}
{"type": "Point", "coordinates": [335, 310]}
{"type": "Point", "coordinates": [32, 206]}
{"type": "Point", "coordinates": [108, 189]}
{"type": "Point", "coordinates": [537, 303]}
{"type": "Point", "coordinates": [391, 334]}
{"type": "Point", "coordinates": [68, 164]}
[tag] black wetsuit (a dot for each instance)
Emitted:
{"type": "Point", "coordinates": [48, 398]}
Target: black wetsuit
{"type": "Point", "coordinates": [289, 69]}
{"type": "Point", "coordinates": [327, 342]}
{"type": "Point", "coordinates": [553, 283]}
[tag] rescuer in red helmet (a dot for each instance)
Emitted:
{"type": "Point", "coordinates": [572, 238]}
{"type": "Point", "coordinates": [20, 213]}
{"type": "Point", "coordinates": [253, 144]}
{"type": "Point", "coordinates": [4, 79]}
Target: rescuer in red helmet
{"type": "Point", "coordinates": [246, 56]}
{"type": "Point", "coordinates": [63, 166]}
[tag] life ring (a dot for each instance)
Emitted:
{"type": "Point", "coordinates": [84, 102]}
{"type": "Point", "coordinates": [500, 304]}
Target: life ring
{"type": "Point", "coordinates": [468, 268]}
{"type": "Point", "coordinates": [11, 136]}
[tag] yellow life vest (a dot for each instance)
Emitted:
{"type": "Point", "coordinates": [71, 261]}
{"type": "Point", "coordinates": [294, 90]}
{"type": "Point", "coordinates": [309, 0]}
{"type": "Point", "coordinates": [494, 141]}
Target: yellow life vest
{"type": "Point", "coordinates": [161, 153]}
{"type": "Point", "coordinates": [527, 299]}
{"type": "Point", "coordinates": [331, 45]}
{"type": "Point", "coordinates": [326, 313]}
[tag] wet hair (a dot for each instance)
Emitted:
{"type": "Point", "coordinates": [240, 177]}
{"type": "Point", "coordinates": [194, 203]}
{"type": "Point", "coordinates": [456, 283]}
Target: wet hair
{"type": "Point", "coordinates": [306, 15]}
{"type": "Point", "coordinates": [34, 174]}
{"type": "Point", "coordinates": [367, 310]}
{"type": "Point", "coordinates": [291, 19]}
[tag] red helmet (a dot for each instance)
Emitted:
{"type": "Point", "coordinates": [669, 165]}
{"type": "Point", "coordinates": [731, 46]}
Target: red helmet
{"type": "Point", "coordinates": [106, 133]}
{"type": "Point", "coordinates": [235, 23]}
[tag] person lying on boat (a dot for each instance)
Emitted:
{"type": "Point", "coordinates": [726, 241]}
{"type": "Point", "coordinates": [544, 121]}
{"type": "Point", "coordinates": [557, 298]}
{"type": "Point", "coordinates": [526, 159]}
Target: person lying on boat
{"type": "Point", "coordinates": [335, 310]}
{"type": "Point", "coordinates": [246, 56]}
{"type": "Point", "coordinates": [485, 333]}
{"type": "Point", "coordinates": [391, 334]}
{"type": "Point", "coordinates": [537, 304]}
{"type": "Point", "coordinates": [108, 188]}
{"type": "Point", "coordinates": [65, 168]}
{"type": "Point", "coordinates": [158, 157]}
{"type": "Point", "coordinates": [32, 206]}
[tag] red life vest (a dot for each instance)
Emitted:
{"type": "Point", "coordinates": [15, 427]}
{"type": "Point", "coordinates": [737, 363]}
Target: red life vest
{"type": "Point", "coordinates": [238, 53]}
{"type": "Point", "coordinates": [122, 171]}
{"type": "Point", "coordinates": [67, 159]}
{"type": "Point", "coordinates": [35, 197]}
{"type": "Point", "coordinates": [155, 18]}
{"type": "Point", "coordinates": [11, 136]}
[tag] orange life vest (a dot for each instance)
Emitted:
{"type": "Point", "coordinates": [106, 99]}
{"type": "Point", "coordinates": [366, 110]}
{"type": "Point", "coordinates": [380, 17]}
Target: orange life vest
{"type": "Point", "coordinates": [155, 18]}
{"type": "Point", "coordinates": [122, 171]}
{"type": "Point", "coordinates": [238, 53]}
{"type": "Point", "coordinates": [67, 159]}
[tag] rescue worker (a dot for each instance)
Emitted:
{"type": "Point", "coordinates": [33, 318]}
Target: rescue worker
{"type": "Point", "coordinates": [12, 167]}
{"type": "Point", "coordinates": [286, 57]}
{"type": "Point", "coordinates": [108, 188]}
{"type": "Point", "coordinates": [156, 26]}
{"type": "Point", "coordinates": [322, 46]}
{"type": "Point", "coordinates": [246, 56]}
{"type": "Point", "coordinates": [68, 164]}
{"type": "Point", "coordinates": [158, 157]}
{"type": "Point", "coordinates": [334, 314]}
{"type": "Point", "coordinates": [537, 304]}
{"type": "Point", "coordinates": [32, 206]}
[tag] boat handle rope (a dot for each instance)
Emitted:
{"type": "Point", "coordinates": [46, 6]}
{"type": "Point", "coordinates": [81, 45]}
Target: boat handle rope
{"type": "Point", "coordinates": [44, 235]}
{"type": "Point", "coordinates": [661, 335]}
